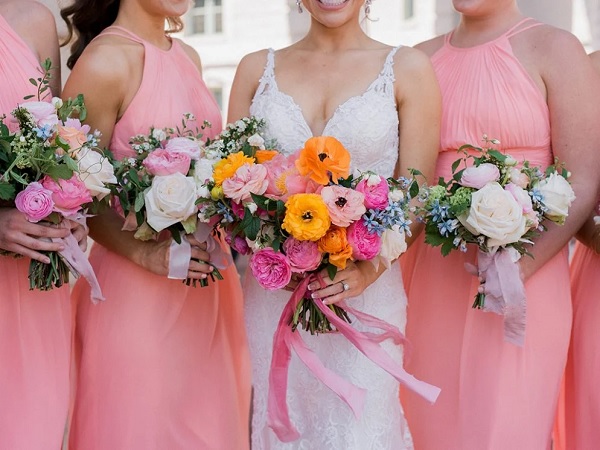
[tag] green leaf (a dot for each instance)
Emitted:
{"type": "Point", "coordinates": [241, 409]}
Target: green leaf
{"type": "Point", "coordinates": [251, 231]}
{"type": "Point", "coordinates": [414, 189]}
{"type": "Point", "coordinates": [455, 165]}
{"type": "Point", "coordinates": [133, 176]}
{"type": "Point", "coordinates": [447, 247]}
{"type": "Point", "coordinates": [139, 202]}
{"type": "Point", "coordinates": [7, 191]}
{"type": "Point", "coordinates": [497, 155]}
{"type": "Point", "coordinates": [175, 233]}
{"type": "Point", "coordinates": [331, 271]}
{"type": "Point", "coordinates": [27, 97]}
{"type": "Point", "coordinates": [61, 171]}
{"type": "Point", "coordinates": [71, 164]}
{"type": "Point", "coordinates": [33, 81]}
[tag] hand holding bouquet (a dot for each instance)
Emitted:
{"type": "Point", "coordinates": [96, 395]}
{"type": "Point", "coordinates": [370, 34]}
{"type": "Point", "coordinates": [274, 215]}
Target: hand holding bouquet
{"type": "Point", "coordinates": [501, 208]}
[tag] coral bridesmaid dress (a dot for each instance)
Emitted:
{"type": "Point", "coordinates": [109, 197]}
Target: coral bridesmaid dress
{"type": "Point", "coordinates": [495, 395]}
{"type": "Point", "coordinates": [160, 365]}
{"type": "Point", "coordinates": [35, 326]}
{"type": "Point", "coordinates": [583, 366]}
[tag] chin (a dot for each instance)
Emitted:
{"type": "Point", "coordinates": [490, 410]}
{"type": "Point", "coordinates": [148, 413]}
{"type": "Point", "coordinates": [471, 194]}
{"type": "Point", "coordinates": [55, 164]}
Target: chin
{"type": "Point", "coordinates": [175, 8]}
{"type": "Point", "coordinates": [333, 13]}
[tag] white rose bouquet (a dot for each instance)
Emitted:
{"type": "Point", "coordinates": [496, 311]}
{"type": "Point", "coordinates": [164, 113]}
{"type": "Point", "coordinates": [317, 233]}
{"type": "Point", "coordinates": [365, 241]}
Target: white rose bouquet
{"type": "Point", "coordinates": [158, 190]}
{"type": "Point", "coordinates": [500, 207]}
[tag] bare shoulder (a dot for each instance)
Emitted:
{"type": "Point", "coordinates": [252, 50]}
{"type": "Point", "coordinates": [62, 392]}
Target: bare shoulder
{"type": "Point", "coordinates": [28, 18]}
{"type": "Point", "coordinates": [411, 62]}
{"type": "Point", "coordinates": [551, 44]}
{"type": "Point", "coordinates": [595, 58]}
{"type": "Point", "coordinates": [253, 64]}
{"type": "Point", "coordinates": [191, 53]}
{"type": "Point", "coordinates": [431, 46]}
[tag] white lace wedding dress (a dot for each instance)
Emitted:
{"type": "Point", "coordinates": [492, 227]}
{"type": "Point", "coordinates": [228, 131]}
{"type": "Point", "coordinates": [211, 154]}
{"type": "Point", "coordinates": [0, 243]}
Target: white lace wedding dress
{"type": "Point", "coordinates": [367, 125]}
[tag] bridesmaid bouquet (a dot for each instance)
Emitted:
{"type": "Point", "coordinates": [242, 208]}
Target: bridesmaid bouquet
{"type": "Point", "coordinates": [50, 171]}
{"type": "Point", "coordinates": [501, 208]}
{"type": "Point", "coordinates": [158, 190]}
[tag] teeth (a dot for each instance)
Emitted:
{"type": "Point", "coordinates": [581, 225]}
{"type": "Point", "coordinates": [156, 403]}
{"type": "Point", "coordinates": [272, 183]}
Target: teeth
{"type": "Point", "coordinates": [332, 2]}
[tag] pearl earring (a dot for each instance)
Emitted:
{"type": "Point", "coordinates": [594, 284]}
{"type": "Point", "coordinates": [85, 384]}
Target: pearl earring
{"type": "Point", "coordinates": [299, 5]}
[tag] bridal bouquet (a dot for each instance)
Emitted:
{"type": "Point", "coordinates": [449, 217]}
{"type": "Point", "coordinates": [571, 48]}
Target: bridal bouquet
{"type": "Point", "coordinates": [501, 208]}
{"type": "Point", "coordinates": [158, 190]}
{"type": "Point", "coordinates": [50, 170]}
{"type": "Point", "coordinates": [300, 214]}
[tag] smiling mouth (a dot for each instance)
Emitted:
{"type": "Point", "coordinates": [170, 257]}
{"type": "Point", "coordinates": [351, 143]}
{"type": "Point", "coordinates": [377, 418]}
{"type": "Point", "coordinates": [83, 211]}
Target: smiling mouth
{"type": "Point", "coordinates": [333, 2]}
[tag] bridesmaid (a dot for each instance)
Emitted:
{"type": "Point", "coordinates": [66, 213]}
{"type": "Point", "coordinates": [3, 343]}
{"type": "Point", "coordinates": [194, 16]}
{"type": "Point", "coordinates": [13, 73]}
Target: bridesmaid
{"type": "Point", "coordinates": [530, 86]}
{"type": "Point", "coordinates": [35, 326]}
{"type": "Point", "coordinates": [582, 412]}
{"type": "Point", "coordinates": [160, 365]}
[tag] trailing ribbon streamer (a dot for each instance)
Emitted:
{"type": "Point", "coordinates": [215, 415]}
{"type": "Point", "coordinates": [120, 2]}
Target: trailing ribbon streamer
{"type": "Point", "coordinates": [368, 343]}
{"type": "Point", "coordinates": [504, 291]}
{"type": "Point", "coordinates": [179, 254]}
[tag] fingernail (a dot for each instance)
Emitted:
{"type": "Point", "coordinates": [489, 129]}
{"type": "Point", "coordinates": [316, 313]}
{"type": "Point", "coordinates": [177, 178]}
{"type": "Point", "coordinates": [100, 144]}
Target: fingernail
{"type": "Point", "coordinates": [310, 287]}
{"type": "Point", "coordinates": [46, 260]}
{"type": "Point", "coordinates": [314, 295]}
{"type": "Point", "coordinates": [203, 276]}
{"type": "Point", "coordinates": [61, 248]}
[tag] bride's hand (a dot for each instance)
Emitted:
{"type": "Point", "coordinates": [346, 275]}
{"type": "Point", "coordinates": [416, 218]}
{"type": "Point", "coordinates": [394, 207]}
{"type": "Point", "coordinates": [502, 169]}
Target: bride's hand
{"type": "Point", "coordinates": [347, 283]}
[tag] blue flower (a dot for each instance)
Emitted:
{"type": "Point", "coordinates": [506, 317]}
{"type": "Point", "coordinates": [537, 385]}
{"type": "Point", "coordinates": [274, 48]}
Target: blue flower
{"type": "Point", "coordinates": [448, 226]}
{"type": "Point", "coordinates": [44, 132]}
{"type": "Point", "coordinates": [438, 212]}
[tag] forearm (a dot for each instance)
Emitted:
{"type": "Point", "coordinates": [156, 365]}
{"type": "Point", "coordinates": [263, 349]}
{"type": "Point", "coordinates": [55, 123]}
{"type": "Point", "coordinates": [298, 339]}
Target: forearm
{"type": "Point", "coordinates": [589, 234]}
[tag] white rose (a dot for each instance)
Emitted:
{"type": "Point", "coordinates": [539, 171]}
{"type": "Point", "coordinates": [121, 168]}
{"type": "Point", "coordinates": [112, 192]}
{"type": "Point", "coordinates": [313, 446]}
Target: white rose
{"type": "Point", "coordinates": [557, 197]}
{"type": "Point", "coordinates": [256, 140]}
{"type": "Point", "coordinates": [395, 195]}
{"type": "Point", "coordinates": [203, 192]}
{"type": "Point", "coordinates": [478, 176]}
{"type": "Point", "coordinates": [203, 171]}
{"type": "Point", "coordinates": [495, 214]}
{"type": "Point", "coordinates": [393, 244]}
{"type": "Point", "coordinates": [190, 147]}
{"type": "Point", "coordinates": [373, 180]}
{"type": "Point", "coordinates": [96, 172]}
{"type": "Point", "coordinates": [170, 199]}
{"type": "Point", "coordinates": [57, 102]}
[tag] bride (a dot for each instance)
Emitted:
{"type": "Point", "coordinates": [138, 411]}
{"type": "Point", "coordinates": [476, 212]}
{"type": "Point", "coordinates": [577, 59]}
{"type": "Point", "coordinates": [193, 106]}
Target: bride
{"type": "Point", "coordinates": [383, 104]}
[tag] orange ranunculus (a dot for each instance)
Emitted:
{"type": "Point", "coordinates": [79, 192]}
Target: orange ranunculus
{"type": "Point", "coordinates": [306, 217]}
{"type": "Point", "coordinates": [335, 243]}
{"type": "Point", "coordinates": [227, 167]}
{"type": "Point", "coordinates": [263, 156]}
{"type": "Point", "coordinates": [322, 158]}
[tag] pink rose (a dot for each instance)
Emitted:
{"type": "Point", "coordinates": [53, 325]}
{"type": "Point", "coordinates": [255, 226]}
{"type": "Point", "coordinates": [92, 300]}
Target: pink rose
{"type": "Point", "coordinates": [478, 177]}
{"type": "Point", "coordinates": [185, 146]}
{"type": "Point", "coordinates": [35, 201]}
{"type": "Point", "coordinates": [344, 205]}
{"type": "Point", "coordinates": [519, 178]}
{"type": "Point", "coordinates": [161, 162]}
{"type": "Point", "coordinates": [365, 245]}
{"type": "Point", "coordinates": [521, 196]}
{"type": "Point", "coordinates": [271, 269]}
{"type": "Point", "coordinates": [44, 113]}
{"type": "Point", "coordinates": [239, 244]}
{"type": "Point", "coordinates": [68, 195]}
{"type": "Point", "coordinates": [74, 134]}
{"type": "Point", "coordinates": [248, 179]}
{"type": "Point", "coordinates": [303, 256]}
{"type": "Point", "coordinates": [376, 193]}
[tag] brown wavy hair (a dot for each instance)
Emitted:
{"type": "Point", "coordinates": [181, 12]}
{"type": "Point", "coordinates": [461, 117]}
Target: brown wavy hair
{"type": "Point", "coordinates": [86, 19]}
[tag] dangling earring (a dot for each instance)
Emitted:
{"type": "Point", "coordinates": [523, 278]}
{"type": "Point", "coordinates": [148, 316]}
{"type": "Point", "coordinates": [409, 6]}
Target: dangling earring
{"type": "Point", "coordinates": [299, 5]}
{"type": "Point", "coordinates": [368, 9]}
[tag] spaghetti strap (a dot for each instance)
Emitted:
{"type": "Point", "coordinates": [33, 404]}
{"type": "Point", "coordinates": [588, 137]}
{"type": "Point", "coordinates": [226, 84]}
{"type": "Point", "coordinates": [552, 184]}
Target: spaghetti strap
{"type": "Point", "coordinates": [268, 76]}
{"type": "Point", "coordinates": [531, 23]}
{"type": "Point", "coordinates": [115, 30]}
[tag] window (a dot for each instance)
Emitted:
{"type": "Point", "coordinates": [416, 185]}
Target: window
{"type": "Point", "coordinates": [207, 17]}
{"type": "Point", "coordinates": [217, 93]}
{"type": "Point", "coordinates": [409, 9]}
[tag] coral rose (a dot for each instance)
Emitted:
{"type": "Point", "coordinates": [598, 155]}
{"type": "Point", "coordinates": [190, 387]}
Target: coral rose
{"type": "Point", "coordinates": [306, 217]}
{"type": "Point", "coordinates": [74, 134]}
{"type": "Point", "coordinates": [324, 158]}
{"type": "Point", "coordinates": [336, 244]}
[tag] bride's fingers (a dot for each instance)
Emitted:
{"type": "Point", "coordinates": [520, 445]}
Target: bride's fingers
{"type": "Point", "coordinates": [334, 292]}
{"type": "Point", "coordinates": [195, 242]}
{"type": "Point", "coordinates": [200, 266]}
{"type": "Point", "coordinates": [200, 254]}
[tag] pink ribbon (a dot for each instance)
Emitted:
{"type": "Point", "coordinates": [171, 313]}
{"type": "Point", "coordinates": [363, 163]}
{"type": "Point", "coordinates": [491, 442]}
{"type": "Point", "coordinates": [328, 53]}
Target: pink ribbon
{"type": "Point", "coordinates": [78, 262]}
{"type": "Point", "coordinates": [179, 254]}
{"type": "Point", "coordinates": [504, 292]}
{"type": "Point", "coordinates": [368, 343]}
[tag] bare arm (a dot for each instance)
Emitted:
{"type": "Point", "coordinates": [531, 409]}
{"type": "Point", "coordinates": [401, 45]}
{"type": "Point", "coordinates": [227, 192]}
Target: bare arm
{"type": "Point", "coordinates": [573, 95]}
{"type": "Point", "coordinates": [245, 84]}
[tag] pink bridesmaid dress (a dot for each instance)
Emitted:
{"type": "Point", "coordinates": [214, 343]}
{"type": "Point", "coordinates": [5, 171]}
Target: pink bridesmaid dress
{"type": "Point", "coordinates": [35, 326]}
{"type": "Point", "coordinates": [582, 396]}
{"type": "Point", "coordinates": [160, 365]}
{"type": "Point", "coordinates": [495, 395]}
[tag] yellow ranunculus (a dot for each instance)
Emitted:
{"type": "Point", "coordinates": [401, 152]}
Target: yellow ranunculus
{"type": "Point", "coordinates": [227, 167]}
{"type": "Point", "coordinates": [306, 217]}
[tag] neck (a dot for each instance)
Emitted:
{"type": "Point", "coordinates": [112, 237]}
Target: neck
{"type": "Point", "coordinates": [474, 30]}
{"type": "Point", "coordinates": [149, 27]}
{"type": "Point", "coordinates": [325, 39]}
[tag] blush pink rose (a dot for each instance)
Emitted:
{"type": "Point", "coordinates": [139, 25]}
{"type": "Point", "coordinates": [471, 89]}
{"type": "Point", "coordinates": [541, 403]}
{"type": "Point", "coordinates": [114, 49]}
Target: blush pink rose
{"type": "Point", "coordinates": [303, 256]}
{"type": "Point", "coordinates": [344, 205]}
{"type": "Point", "coordinates": [185, 146]}
{"type": "Point", "coordinates": [35, 201]}
{"type": "Point", "coordinates": [521, 196]}
{"type": "Point", "coordinates": [248, 179]}
{"type": "Point", "coordinates": [161, 162]}
{"type": "Point", "coordinates": [44, 113]}
{"type": "Point", "coordinates": [365, 245]}
{"type": "Point", "coordinates": [519, 178]}
{"type": "Point", "coordinates": [478, 177]}
{"type": "Point", "coordinates": [376, 194]}
{"type": "Point", "coordinates": [271, 269]}
{"type": "Point", "coordinates": [74, 134]}
{"type": "Point", "coordinates": [68, 195]}
{"type": "Point", "coordinates": [285, 180]}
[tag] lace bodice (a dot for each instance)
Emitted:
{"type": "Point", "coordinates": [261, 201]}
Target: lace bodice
{"type": "Point", "coordinates": [366, 124]}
